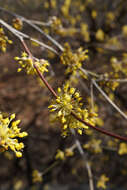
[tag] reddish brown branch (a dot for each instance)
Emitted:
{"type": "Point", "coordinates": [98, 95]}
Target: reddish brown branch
{"type": "Point", "coordinates": [39, 73]}
{"type": "Point", "coordinates": [101, 130]}
{"type": "Point", "coordinates": [45, 82]}
{"type": "Point", "coordinates": [26, 48]}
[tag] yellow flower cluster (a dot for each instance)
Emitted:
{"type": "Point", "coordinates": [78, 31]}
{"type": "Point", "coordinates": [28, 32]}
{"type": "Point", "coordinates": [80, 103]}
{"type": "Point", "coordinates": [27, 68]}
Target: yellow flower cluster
{"type": "Point", "coordinates": [63, 154]}
{"type": "Point", "coordinates": [94, 14]}
{"type": "Point", "coordinates": [68, 101]}
{"type": "Point", "coordinates": [100, 35]}
{"type": "Point", "coordinates": [102, 181]}
{"type": "Point", "coordinates": [28, 63]}
{"type": "Point", "coordinates": [85, 32]}
{"type": "Point", "coordinates": [110, 84]}
{"type": "Point", "coordinates": [120, 67]}
{"type": "Point", "coordinates": [17, 23]}
{"type": "Point", "coordinates": [110, 17]}
{"type": "Point", "coordinates": [36, 176]}
{"type": "Point", "coordinates": [57, 27]}
{"type": "Point", "coordinates": [124, 30]}
{"type": "Point", "coordinates": [65, 7]}
{"type": "Point", "coordinates": [119, 70]}
{"type": "Point", "coordinates": [73, 61]}
{"type": "Point", "coordinates": [122, 148]}
{"type": "Point", "coordinates": [9, 132]}
{"type": "Point", "coordinates": [94, 145]}
{"type": "Point", "coordinates": [53, 4]}
{"type": "Point", "coordinates": [56, 23]}
{"type": "Point", "coordinates": [3, 40]}
{"type": "Point", "coordinates": [60, 155]}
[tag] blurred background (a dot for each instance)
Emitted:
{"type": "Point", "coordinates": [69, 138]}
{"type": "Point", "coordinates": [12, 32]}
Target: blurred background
{"type": "Point", "coordinates": [99, 26]}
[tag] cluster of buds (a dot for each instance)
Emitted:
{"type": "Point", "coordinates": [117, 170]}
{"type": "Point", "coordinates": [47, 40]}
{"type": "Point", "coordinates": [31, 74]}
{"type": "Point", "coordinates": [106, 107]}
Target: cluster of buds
{"type": "Point", "coordinates": [73, 61]}
{"type": "Point", "coordinates": [17, 23]}
{"type": "Point", "coordinates": [62, 155]}
{"type": "Point", "coordinates": [3, 40]}
{"type": "Point", "coordinates": [37, 176]}
{"type": "Point", "coordinates": [56, 23]}
{"type": "Point", "coordinates": [29, 64]}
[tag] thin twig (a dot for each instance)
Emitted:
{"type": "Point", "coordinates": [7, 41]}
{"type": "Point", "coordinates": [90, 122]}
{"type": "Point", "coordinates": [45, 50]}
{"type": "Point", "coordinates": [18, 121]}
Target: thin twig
{"type": "Point", "coordinates": [35, 27]}
{"type": "Point", "coordinates": [112, 80]}
{"type": "Point", "coordinates": [23, 35]}
{"type": "Point", "coordinates": [39, 73]}
{"type": "Point", "coordinates": [87, 72]}
{"type": "Point", "coordinates": [109, 100]}
{"type": "Point", "coordinates": [46, 35]}
{"type": "Point", "coordinates": [45, 82]}
{"type": "Point", "coordinates": [50, 167]}
{"type": "Point", "coordinates": [101, 130]}
{"type": "Point", "coordinates": [80, 149]}
{"type": "Point", "coordinates": [92, 96]}
{"type": "Point", "coordinates": [41, 23]}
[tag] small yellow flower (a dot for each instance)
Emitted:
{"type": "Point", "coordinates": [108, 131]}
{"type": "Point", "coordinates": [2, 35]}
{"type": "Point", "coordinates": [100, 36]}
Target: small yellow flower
{"type": "Point", "coordinates": [100, 35]}
{"type": "Point", "coordinates": [102, 181]}
{"type": "Point", "coordinates": [56, 23]}
{"type": "Point", "coordinates": [37, 176]}
{"type": "Point", "coordinates": [18, 184]}
{"type": "Point", "coordinates": [69, 152]}
{"type": "Point", "coordinates": [110, 16]}
{"type": "Point", "coordinates": [94, 14]}
{"type": "Point", "coordinates": [65, 7]}
{"type": "Point", "coordinates": [85, 32]}
{"type": "Point", "coordinates": [63, 154]}
{"type": "Point", "coordinates": [124, 30]}
{"type": "Point", "coordinates": [17, 23]}
{"type": "Point", "coordinates": [94, 145]}
{"type": "Point", "coordinates": [60, 155]}
{"type": "Point", "coordinates": [122, 149]}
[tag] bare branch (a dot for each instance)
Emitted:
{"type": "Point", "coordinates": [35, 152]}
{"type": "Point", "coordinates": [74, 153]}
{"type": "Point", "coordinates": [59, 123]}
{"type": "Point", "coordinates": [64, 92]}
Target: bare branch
{"type": "Point", "coordinates": [80, 149]}
{"type": "Point", "coordinates": [109, 100]}
{"type": "Point", "coordinates": [23, 35]}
